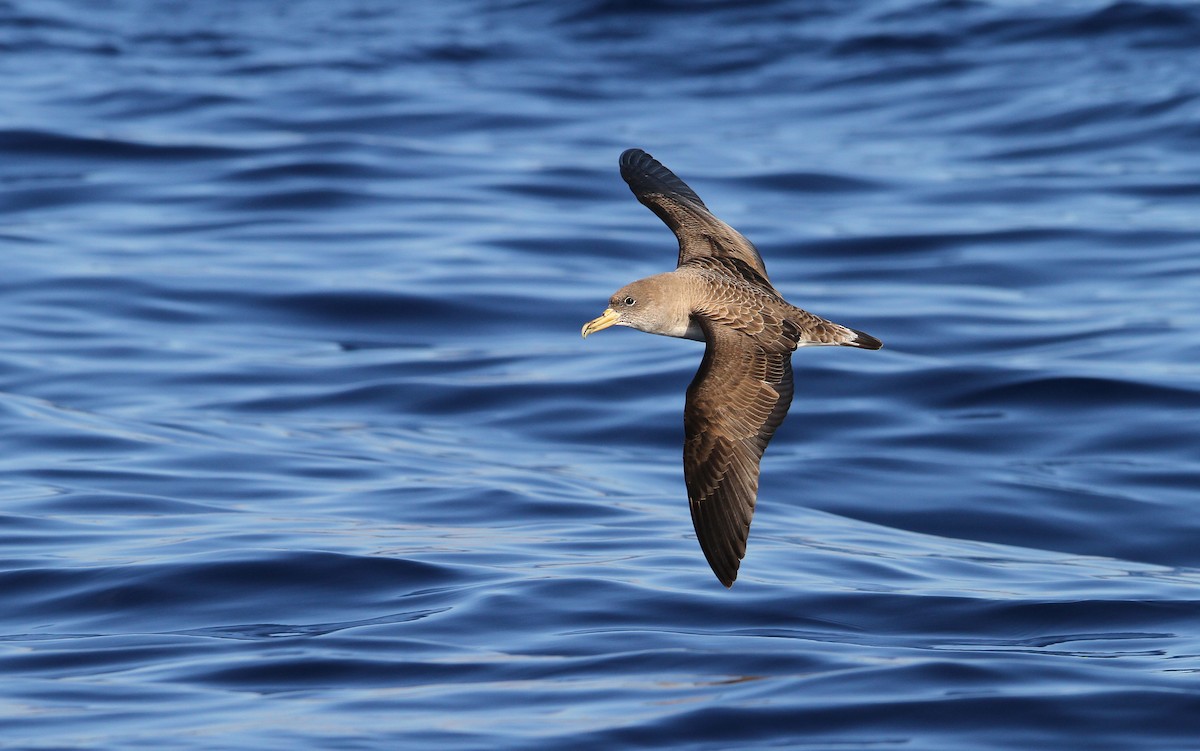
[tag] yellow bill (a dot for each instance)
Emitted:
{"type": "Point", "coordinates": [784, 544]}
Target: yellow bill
{"type": "Point", "coordinates": [606, 319]}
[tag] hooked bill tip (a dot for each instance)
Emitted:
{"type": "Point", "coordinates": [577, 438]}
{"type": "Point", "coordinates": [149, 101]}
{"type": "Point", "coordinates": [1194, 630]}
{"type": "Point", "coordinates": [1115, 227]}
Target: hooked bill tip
{"type": "Point", "coordinates": [608, 318]}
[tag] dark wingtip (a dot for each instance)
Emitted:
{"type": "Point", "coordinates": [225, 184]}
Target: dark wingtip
{"type": "Point", "coordinates": [645, 174]}
{"type": "Point", "coordinates": [726, 574]}
{"type": "Point", "coordinates": [629, 157]}
{"type": "Point", "coordinates": [863, 340]}
{"type": "Point", "coordinates": [636, 161]}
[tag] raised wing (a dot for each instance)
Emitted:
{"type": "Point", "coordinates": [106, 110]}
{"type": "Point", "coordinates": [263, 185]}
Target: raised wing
{"type": "Point", "coordinates": [739, 397]}
{"type": "Point", "coordinates": [701, 235]}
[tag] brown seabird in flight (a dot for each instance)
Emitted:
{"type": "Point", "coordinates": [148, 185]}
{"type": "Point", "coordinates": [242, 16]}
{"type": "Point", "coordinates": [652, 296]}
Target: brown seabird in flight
{"type": "Point", "coordinates": [720, 295]}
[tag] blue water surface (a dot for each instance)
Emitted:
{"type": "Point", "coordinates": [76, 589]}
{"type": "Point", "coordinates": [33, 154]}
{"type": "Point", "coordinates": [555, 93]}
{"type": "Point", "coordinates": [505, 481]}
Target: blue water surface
{"type": "Point", "coordinates": [300, 447]}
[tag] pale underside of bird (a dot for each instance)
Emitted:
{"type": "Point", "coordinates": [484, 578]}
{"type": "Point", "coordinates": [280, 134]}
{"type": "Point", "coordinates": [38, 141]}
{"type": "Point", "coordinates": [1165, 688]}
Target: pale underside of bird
{"type": "Point", "coordinates": [719, 294]}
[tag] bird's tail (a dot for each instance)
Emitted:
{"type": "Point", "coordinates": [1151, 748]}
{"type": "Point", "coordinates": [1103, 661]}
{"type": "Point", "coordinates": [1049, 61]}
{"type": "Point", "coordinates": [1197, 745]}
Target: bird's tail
{"type": "Point", "coordinates": [861, 339]}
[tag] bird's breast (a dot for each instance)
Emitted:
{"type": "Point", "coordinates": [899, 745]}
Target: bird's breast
{"type": "Point", "coordinates": [691, 331]}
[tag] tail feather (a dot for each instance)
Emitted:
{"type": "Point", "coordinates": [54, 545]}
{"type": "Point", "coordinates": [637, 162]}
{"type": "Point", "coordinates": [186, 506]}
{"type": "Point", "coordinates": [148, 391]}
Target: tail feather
{"type": "Point", "coordinates": [862, 340]}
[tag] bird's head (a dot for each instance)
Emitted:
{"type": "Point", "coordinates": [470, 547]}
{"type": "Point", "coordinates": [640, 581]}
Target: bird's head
{"type": "Point", "coordinates": [649, 305]}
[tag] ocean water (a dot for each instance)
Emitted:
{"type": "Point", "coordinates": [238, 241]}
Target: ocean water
{"type": "Point", "coordinates": [300, 447]}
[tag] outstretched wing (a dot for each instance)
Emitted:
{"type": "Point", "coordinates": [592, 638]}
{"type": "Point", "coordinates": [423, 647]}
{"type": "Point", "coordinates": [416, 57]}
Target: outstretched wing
{"type": "Point", "coordinates": [739, 397]}
{"type": "Point", "coordinates": [702, 237]}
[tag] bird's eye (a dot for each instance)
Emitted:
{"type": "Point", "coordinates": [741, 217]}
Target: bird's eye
{"type": "Point", "coordinates": [628, 301]}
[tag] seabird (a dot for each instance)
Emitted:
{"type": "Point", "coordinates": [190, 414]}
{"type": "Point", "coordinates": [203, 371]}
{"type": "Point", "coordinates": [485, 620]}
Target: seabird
{"type": "Point", "coordinates": [719, 294]}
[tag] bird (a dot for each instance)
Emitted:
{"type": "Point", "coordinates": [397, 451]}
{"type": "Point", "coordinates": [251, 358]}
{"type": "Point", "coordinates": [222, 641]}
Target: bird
{"type": "Point", "coordinates": [720, 294]}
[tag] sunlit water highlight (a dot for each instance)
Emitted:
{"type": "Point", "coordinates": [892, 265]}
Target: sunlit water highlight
{"type": "Point", "coordinates": [301, 447]}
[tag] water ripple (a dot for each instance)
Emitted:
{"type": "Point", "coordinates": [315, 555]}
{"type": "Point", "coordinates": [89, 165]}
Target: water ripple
{"type": "Point", "coordinates": [298, 433]}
